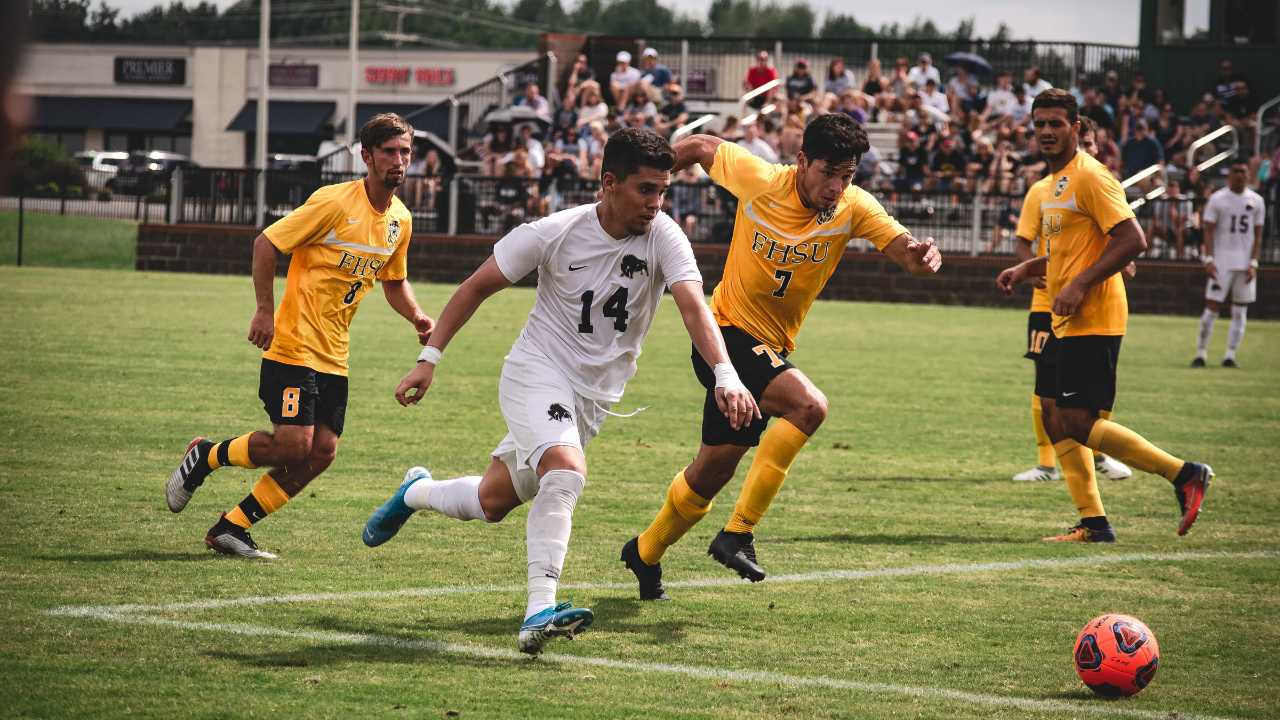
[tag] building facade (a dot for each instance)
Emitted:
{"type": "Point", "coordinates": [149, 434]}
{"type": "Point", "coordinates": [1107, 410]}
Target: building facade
{"type": "Point", "coordinates": [201, 101]}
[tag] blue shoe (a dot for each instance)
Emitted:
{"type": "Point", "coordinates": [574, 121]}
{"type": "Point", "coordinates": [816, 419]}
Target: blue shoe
{"type": "Point", "coordinates": [386, 521]}
{"type": "Point", "coordinates": [563, 620]}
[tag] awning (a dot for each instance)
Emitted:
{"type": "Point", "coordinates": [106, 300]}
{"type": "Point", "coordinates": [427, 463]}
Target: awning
{"type": "Point", "coordinates": [79, 113]}
{"type": "Point", "coordinates": [285, 117]}
{"type": "Point", "coordinates": [436, 121]}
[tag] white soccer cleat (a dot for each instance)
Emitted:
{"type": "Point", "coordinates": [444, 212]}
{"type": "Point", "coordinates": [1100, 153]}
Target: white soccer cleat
{"type": "Point", "coordinates": [1111, 468]}
{"type": "Point", "coordinates": [227, 538]}
{"type": "Point", "coordinates": [1038, 473]}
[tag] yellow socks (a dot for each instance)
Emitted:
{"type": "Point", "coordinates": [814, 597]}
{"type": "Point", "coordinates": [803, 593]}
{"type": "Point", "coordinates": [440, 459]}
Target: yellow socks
{"type": "Point", "coordinates": [1121, 442]}
{"type": "Point", "coordinates": [1077, 471]}
{"type": "Point", "coordinates": [1044, 446]}
{"type": "Point", "coordinates": [231, 452]}
{"type": "Point", "coordinates": [778, 449]}
{"type": "Point", "coordinates": [682, 510]}
{"type": "Point", "coordinates": [267, 497]}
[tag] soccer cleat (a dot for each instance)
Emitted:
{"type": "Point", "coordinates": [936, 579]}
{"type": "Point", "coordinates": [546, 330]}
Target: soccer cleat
{"type": "Point", "coordinates": [227, 538]}
{"type": "Point", "coordinates": [387, 520]}
{"type": "Point", "coordinates": [1190, 488]}
{"type": "Point", "coordinates": [1038, 473]}
{"type": "Point", "coordinates": [649, 576]}
{"type": "Point", "coordinates": [1111, 468]}
{"type": "Point", "coordinates": [563, 620]}
{"type": "Point", "coordinates": [1229, 363]}
{"type": "Point", "coordinates": [1198, 362]}
{"type": "Point", "coordinates": [737, 551]}
{"type": "Point", "coordinates": [1082, 534]}
{"type": "Point", "coordinates": [189, 475]}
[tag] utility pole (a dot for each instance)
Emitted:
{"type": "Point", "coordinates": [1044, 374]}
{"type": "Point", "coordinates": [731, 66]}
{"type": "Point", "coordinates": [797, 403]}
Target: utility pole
{"type": "Point", "coordinates": [260, 151]}
{"type": "Point", "coordinates": [353, 49]}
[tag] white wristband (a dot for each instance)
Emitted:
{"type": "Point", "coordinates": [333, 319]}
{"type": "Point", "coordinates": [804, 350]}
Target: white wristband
{"type": "Point", "coordinates": [727, 377]}
{"type": "Point", "coordinates": [430, 354]}
{"type": "Point", "coordinates": [1206, 259]}
{"type": "Point", "coordinates": [1253, 263]}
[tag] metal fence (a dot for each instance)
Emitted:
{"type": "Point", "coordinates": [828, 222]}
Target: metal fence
{"type": "Point", "coordinates": [93, 193]}
{"type": "Point", "coordinates": [961, 223]}
{"type": "Point", "coordinates": [714, 68]}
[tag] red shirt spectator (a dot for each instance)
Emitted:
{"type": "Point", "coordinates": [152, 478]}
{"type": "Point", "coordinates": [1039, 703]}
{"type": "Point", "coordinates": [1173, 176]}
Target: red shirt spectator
{"type": "Point", "coordinates": [759, 74]}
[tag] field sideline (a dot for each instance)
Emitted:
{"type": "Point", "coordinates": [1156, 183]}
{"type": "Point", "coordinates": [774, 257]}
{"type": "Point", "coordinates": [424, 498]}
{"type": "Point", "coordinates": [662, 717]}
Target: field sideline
{"type": "Point", "coordinates": [907, 576]}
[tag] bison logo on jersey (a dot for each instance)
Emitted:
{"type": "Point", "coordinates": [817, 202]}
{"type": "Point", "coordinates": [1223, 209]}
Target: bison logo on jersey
{"type": "Point", "coordinates": [632, 265]}
{"type": "Point", "coordinates": [1060, 187]}
{"type": "Point", "coordinates": [393, 233]}
{"type": "Point", "coordinates": [558, 413]}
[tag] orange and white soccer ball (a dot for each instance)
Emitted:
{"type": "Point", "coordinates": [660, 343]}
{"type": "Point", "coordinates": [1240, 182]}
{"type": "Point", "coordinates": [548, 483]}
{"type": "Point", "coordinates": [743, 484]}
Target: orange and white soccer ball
{"type": "Point", "coordinates": [1116, 655]}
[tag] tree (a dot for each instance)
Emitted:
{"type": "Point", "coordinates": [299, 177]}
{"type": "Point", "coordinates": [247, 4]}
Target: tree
{"type": "Point", "coordinates": [844, 26]}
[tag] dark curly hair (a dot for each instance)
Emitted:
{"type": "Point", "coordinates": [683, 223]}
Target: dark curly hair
{"type": "Point", "coordinates": [834, 137]}
{"type": "Point", "coordinates": [630, 149]}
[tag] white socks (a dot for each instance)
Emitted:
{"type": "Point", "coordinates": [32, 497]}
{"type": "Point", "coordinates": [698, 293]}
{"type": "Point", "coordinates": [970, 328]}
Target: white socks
{"type": "Point", "coordinates": [1239, 314]}
{"type": "Point", "coordinates": [1206, 331]}
{"type": "Point", "coordinates": [547, 534]}
{"type": "Point", "coordinates": [458, 498]}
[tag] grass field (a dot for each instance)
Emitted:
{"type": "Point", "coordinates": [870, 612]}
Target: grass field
{"type": "Point", "coordinates": [68, 241]}
{"type": "Point", "coordinates": [945, 603]}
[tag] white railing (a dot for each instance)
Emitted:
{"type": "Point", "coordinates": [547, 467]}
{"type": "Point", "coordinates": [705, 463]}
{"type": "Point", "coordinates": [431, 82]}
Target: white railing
{"type": "Point", "coordinates": [690, 127]}
{"type": "Point", "coordinates": [1191, 160]}
{"type": "Point", "coordinates": [753, 94]}
{"type": "Point", "coordinates": [1258, 130]}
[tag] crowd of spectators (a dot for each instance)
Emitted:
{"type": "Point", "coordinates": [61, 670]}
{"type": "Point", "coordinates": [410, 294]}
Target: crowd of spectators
{"type": "Point", "coordinates": [959, 131]}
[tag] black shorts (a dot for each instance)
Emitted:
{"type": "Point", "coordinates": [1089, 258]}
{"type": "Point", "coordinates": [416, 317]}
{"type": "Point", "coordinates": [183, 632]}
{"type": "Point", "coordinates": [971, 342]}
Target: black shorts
{"type": "Point", "coordinates": [757, 366]}
{"type": "Point", "coordinates": [1039, 328]}
{"type": "Point", "coordinates": [1080, 371]}
{"type": "Point", "coordinates": [298, 395]}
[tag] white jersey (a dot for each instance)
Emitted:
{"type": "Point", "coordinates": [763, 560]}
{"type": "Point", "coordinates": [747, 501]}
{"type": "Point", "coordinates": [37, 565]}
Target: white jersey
{"type": "Point", "coordinates": [1234, 216]}
{"type": "Point", "coordinates": [597, 295]}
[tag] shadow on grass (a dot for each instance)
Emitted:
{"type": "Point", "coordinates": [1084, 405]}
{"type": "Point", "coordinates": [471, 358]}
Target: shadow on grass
{"type": "Point", "coordinates": [903, 539]}
{"type": "Point", "coordinates": [899, 479]}
{"type": "Point", "coordinates": [328, 655]}
{"type": "Point", "coordinates": [132, 555]}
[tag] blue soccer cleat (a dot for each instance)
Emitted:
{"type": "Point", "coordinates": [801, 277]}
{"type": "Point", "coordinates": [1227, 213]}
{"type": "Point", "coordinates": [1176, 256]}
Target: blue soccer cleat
{"type": "Point", "coordinates": [387, 520]}
{"type": "Point", "coordinates": [563, 620]}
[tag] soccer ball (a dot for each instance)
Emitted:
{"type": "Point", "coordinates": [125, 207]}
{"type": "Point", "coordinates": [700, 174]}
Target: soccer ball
{"type": "Point", "coordinates": [1116, 655]}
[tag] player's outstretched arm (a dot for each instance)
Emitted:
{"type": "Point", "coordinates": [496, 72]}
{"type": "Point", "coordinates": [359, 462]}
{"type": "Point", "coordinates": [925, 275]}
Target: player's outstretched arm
{"type": "Point", "coordinates": [400, 297]}
{"type": "Point", "coordinates": [732, 397]}
{"type": "Point", "coordinates": [699, 149]}
{"type": "Point", "coordinates": [262, 326]}
{"type": "Point", "coordinates": [918, 257]}
{"type": "Point", "coordinates": [485, 281]}
{"type": "Point", "coordinates": [1127, 242]}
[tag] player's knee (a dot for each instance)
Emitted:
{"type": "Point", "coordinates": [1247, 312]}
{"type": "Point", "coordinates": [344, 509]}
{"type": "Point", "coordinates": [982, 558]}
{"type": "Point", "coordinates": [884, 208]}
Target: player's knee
{"type": "Point", "coordinates": [292, 451]}
{"type": "Point", "coordinates": [562, 457]}
{"type": "Point", "coordinates": [494, 509]}
{"type": "Point", "coordinates": [812, 412]}
{"type": "Point", "coordinates": [322, 455]}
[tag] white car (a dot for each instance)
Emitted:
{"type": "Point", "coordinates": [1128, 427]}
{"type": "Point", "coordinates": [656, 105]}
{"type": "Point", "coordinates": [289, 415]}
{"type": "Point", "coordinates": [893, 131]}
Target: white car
{"type": "Point", "coordinates": [100, 166]}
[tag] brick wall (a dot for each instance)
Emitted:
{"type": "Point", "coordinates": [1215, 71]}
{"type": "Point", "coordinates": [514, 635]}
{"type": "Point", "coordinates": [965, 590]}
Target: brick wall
{"type": "Point", "coordinates": [1160, 287]}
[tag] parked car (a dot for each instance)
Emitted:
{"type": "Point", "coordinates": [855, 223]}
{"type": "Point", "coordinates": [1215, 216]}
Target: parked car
{"type": "Point", "coordinates": [143, 173]}
{"type": "Point", "coordinates": [100, 166]}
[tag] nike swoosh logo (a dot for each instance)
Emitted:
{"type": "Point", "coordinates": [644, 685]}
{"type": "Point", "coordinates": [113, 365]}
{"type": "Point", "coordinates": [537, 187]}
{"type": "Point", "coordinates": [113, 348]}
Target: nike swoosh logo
{"type": "Point", "coordinates": [1070, 394]}
{"type": "Point", "coordinates": [353, 221]}
{"type": "Point", "coordinates": [368, 535]}
{"type": "Point", "coordinates": [572, 268]}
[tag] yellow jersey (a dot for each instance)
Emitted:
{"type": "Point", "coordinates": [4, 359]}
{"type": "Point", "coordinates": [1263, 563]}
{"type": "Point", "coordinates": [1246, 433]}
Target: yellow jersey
{"type": "Point", "coordinates": [1081, 204]}
{"type": "Point", "coordinates": [1029, 229]}
{"type": "Point", "coordinates": [340, 244]}
{"type": "Point", "coordinates": [782, 253]}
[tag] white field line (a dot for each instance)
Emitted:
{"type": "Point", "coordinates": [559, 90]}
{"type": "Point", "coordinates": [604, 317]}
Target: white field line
{"type": "Point", "coordinates": [1074, 709]}
{"type": "Point", "coordinates": [813, 577]}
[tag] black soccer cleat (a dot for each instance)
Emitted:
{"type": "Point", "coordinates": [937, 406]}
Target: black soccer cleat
{"type": "Point", "coordinates": [1229, 363]}
{"type": "Point", "coordinates": [649, 576]}
{"type": "Point", "coordinates": [1198, 362]}
{"type": "Point", "coordinates": [227, 538]}
{"type": "Point", "coordinates": [1190, 487]}
{"type": "Point", "coordinates": [190, 474]}
{"type": "Point", "coordinates": [737, 551]}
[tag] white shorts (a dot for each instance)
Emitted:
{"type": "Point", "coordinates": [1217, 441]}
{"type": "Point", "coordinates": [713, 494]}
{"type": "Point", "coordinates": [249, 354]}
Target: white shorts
{"type": "Point", "coordinates": [542, 411]}
{"type": "Point", "coordinates": [1233, 283]}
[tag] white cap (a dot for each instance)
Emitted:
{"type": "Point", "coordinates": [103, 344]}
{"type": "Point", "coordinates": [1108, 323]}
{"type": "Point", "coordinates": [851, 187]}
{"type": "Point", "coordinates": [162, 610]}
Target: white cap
{"type": "Point", "coordinates": [650, 52]}
{"type": "Point", "coordinates": [623, 56]}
